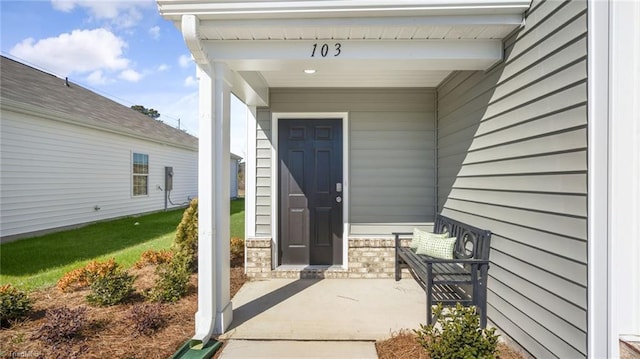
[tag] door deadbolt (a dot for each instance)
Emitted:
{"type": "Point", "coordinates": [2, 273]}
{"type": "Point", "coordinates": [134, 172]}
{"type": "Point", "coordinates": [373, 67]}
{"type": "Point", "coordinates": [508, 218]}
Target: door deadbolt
{"type": "Point", "coordinates": [338, 199]}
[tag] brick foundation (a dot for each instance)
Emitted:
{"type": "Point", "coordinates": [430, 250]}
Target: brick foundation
{"type": "Point", "coordinates": [368, 258]}
{"type": "Point", "coordinates": [258, 257]}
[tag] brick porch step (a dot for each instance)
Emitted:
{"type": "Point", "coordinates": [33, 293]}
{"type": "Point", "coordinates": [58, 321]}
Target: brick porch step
{"type": "Point", "coordinates": [309, 272]}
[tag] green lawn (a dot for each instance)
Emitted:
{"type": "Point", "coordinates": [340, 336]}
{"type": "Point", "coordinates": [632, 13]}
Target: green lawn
{"type": "Point", "coordinates": [40, 261]}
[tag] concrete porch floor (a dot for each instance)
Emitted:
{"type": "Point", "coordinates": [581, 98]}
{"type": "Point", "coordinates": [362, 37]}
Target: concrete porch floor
{"type": "Point", "coordinates": [325, 309]}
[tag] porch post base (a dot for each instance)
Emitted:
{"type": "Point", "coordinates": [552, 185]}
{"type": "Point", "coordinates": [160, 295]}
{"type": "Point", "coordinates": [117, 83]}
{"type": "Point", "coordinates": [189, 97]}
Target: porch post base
{"type": "Point", "coordinates": [224, 319]}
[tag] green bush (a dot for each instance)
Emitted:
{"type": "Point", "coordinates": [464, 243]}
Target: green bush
{"type": "Point", "coordinates": [172, 280]}
{"type": "Point", "coordinates": [457, 335]}
{"type": "Point", "coordinates": [237, 252]}
{"type": "Point", "coordinates": [15, 304]}
{"type": "Point", "coordinates": [186, 239]}
{"type": "Point", "coordinates": [111, 289]}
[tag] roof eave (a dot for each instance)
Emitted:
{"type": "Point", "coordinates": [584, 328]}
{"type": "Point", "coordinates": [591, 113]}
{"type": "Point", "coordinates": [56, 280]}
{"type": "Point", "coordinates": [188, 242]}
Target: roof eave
{"type": "Point", "coordinates": [217, 10]}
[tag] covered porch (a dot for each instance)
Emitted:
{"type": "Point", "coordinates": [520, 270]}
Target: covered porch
{"type": "Point", "coordinates": [479, 110]}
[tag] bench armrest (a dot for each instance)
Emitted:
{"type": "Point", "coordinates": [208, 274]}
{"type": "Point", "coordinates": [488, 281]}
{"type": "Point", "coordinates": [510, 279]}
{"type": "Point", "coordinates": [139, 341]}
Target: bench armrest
{"type": "Point", "coordinates": [398, 234]}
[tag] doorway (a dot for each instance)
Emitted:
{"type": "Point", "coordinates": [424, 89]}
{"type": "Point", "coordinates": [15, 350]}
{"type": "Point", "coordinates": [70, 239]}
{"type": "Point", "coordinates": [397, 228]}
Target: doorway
{"type": "Point", "coordinates": [311, 199]}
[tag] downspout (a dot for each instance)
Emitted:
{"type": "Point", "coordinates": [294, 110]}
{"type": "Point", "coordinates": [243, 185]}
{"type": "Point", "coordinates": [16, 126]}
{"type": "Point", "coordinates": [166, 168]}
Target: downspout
{"type": "Point", "coordinates": [205, 316]}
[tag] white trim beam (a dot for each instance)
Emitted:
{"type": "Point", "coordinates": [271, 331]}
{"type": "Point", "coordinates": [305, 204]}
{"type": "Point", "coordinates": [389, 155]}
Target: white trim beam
{"type": "Point", "coordinates": [598, 255]}
{"type": "Point", "coordinates": [277, 55]}
{"type": "Point", "coordinates": [251, 88]}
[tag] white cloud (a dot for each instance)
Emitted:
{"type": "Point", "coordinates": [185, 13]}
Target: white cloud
{"type": "Point", "coordinates": [185, 61]}
{"type": "Point", "coordinates": [97, 78]}
{"type": "Point", "coordinates": [121, 13]}
{"type": "Point", "coordinates": [80, 51]}
{"type": "Point", "coordinates": [155, 32]}
{"type": "Point", "coordinates": [163, 67]}
{"type": "Point", "coordinates": [190, 81]}
{"type": "Point", "coordinates": [130, 75]}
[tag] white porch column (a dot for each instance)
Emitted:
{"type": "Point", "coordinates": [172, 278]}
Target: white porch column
{"type": "Point", "coordinates": [220, 158]}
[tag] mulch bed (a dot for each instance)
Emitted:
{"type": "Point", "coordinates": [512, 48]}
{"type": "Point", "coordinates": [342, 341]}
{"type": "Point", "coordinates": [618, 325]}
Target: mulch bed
{"type": "Point", "coordinates": [403, 345]}
{"type": "Point", "coordinates": [107, 333]}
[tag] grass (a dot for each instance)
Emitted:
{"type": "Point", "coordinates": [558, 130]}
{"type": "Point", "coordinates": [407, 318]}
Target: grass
{"type": "Point", "coordinates": [237, 218]}
{"type": "Point", "coordinates": [40, 261]}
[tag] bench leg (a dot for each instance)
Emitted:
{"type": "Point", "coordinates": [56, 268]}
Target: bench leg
{"type": "Point", "coordinates": [397, 258]}
{"type": "Point", "coordinates": [429, 290]}
{"type": "Point", "coordinates": [429, 314]}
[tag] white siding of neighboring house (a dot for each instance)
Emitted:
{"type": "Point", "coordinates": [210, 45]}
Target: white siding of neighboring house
{"type": "Point", "coordinates": [392, 153]}
{"type": "Point", "coordinates": [234, 177]}
{"type": "Point", "coordinates": [512, 158]}
{"type": "Point", "coordinates": [54, 173]}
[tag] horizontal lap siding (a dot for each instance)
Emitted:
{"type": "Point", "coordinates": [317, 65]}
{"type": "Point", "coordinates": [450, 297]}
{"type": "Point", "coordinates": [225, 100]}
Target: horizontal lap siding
{"type": "Point", "coordinates": [55, 173]}
{"type": "Point", "coordinates": [391, 155]}
{"type": "Point", "coordinates": [263, 173]}
{"type": "Point", "coordinates": [512, 157]}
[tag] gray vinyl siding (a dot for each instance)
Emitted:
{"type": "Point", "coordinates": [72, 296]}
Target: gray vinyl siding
{"type": "Point", "coordinates": [391, 154]}
{"type": "Point", "coordinates": [54, 173]}
{"type": "Point", "coordinates": [512, 157]}
{"type": "Point", "coordinates": [263, 173]}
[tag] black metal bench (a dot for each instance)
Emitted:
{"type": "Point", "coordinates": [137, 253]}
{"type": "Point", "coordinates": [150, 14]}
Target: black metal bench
{"type": "Point", "coordinates": [462, 279]}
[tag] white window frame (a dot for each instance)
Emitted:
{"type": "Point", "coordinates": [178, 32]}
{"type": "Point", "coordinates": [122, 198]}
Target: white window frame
{"type": "Point", "coordinates": [134, 175]}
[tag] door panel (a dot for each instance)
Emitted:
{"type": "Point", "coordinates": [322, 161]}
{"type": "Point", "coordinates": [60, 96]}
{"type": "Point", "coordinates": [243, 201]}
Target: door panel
{"type": "Point", "coordinates": [310, 166]}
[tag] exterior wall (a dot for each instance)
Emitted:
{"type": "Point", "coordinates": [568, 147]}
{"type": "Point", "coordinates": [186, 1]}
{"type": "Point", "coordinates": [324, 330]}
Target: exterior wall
{"type": "Point", "coordinates": [233, 170]}
{"type": "Point", "coordinates": [55, 173]}
{"type": "Point", "coordinates": [512, 158]}
{"type": "Point", "coordinates": [391, 155]}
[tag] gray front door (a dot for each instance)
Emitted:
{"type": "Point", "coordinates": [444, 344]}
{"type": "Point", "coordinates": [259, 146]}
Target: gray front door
{"type": "Point", "coordinates": [310, 183]}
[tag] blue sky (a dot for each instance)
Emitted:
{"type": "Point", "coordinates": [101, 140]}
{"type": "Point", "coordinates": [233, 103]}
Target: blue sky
{"type": "Point", "coordinates": [120, 49]}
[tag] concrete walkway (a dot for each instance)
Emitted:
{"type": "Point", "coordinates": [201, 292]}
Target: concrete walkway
{"type": "Point", "coordinates": [320, 318]}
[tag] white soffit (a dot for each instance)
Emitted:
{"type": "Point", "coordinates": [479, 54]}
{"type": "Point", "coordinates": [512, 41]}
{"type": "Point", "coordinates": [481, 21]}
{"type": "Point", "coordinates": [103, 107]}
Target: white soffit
{"type": "Point", "coordinates": [351, 43]}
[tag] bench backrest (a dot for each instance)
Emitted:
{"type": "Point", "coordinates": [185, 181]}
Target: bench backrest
{"type": "Point", "coordinates": [472, 242]}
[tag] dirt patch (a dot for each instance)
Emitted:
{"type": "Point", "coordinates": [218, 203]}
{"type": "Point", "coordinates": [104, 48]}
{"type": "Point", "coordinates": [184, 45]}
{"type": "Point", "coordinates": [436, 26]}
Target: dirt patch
{"type": "Point", "coordinates": [107, 333]}
{"type": "Point", "coordinates": [403, 345]}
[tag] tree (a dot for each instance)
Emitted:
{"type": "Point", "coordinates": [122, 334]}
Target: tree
{"type": "Point", "coordinates": [147, 111]}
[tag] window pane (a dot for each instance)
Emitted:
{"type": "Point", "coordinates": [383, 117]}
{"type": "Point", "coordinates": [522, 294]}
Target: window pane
{"type": "Point", "coordinates": [140, 163]}
{"type": "Point", "coordinates": [140, 185]}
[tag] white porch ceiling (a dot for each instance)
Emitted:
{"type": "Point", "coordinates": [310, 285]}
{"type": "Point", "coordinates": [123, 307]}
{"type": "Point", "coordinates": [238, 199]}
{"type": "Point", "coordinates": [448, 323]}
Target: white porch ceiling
{"type": "Point", "coordinates": [384, 43]}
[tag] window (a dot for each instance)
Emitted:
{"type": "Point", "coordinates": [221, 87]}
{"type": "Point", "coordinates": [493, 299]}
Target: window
{"type": "Point", "coordinates": [140, 174]}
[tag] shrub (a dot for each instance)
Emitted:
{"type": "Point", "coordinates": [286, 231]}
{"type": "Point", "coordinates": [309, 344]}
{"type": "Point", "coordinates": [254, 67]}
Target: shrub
{"type": "Point", "coordinates": [15, 304]}
{"type": "Point", "coordinates": [146, 318]}
{"type": "Point", "coordinates": [186, 239]}
{"type": "Point", "coordinates": [172, 280]}
{"type": "Point", "coordinates": [237, 251]}
{"type": "Point", "coordinates": [154, 257]}
{"type": "Point", "coordinates": [82, 277]}
{"type": "Point", "coordinates": [61, 325]}
{"type": "Point", "coordinates": [110, 289]}
{"type": "Point", "coordinates": [457, 334]}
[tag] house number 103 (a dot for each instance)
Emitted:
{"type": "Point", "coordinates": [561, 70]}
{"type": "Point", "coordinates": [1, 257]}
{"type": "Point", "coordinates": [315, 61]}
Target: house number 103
{"type": "Point", "coordinates": [323, 50]}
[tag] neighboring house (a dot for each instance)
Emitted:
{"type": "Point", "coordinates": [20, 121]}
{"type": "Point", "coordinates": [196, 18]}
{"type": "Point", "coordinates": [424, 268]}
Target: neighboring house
{"type": "Point", "coordinates": [70, 156]}
{"type": "Point", "coordinates": [367, 117]}
{"type": "Point", "coordinates": [234, 170]}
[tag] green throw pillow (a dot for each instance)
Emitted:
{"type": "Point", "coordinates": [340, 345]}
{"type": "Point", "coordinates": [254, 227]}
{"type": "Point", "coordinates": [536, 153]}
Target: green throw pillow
{"type": "Point", "coordinates": [437, 247]}
{"type": "Point", "coordinates": [420, 236]}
